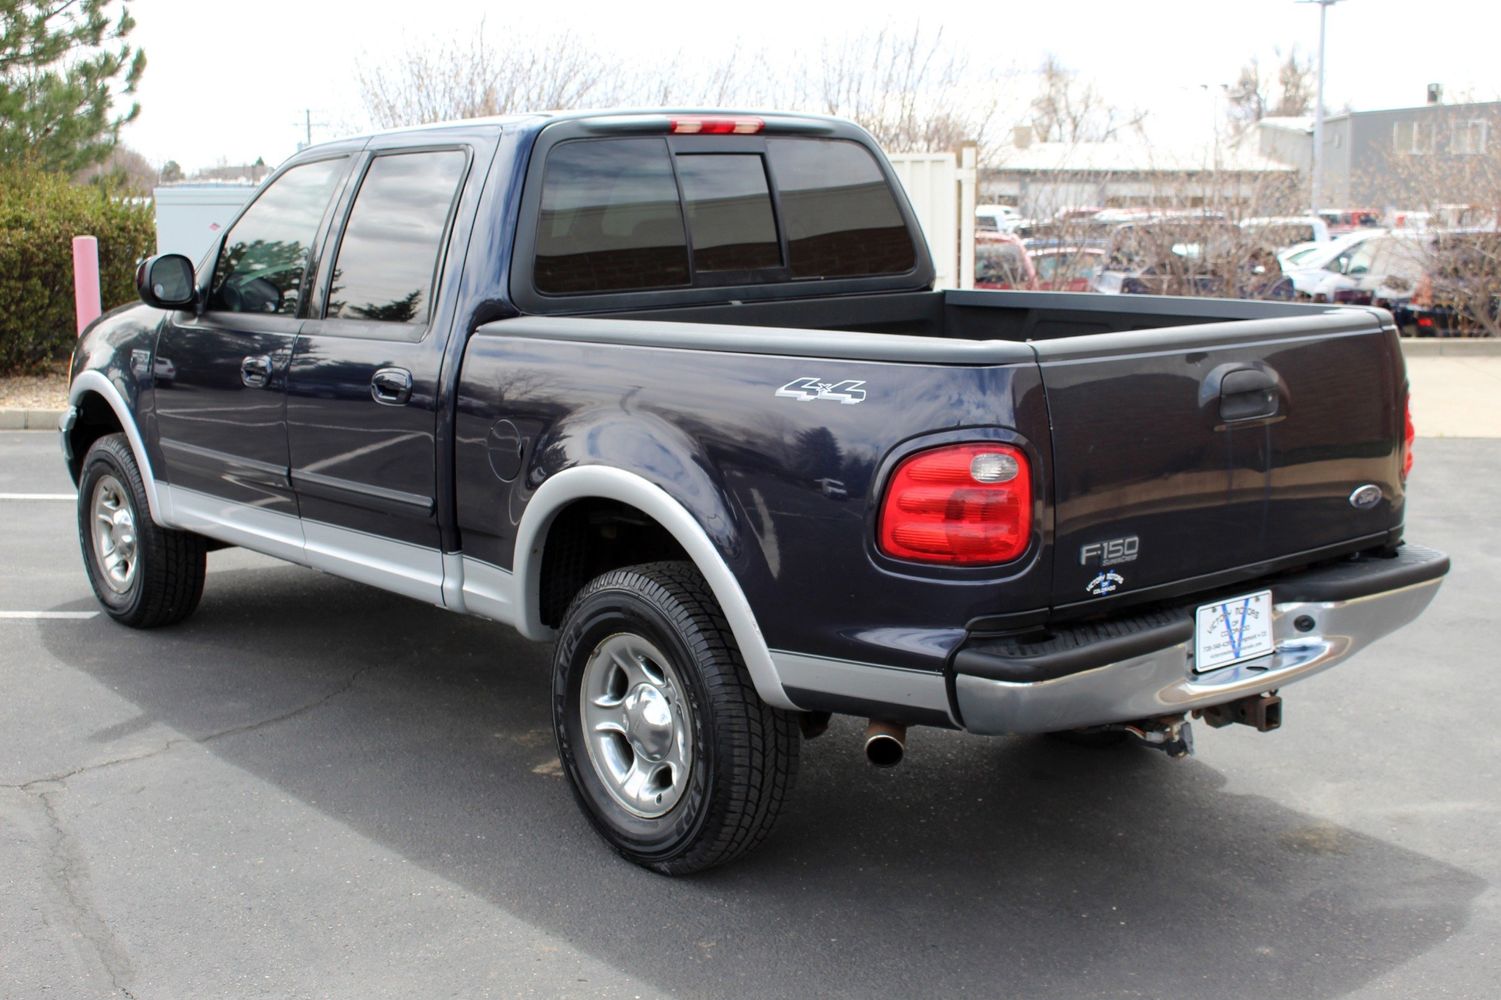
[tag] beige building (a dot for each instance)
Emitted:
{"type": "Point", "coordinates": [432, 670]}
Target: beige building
{"type": "Point", "coordinates": [1043, 178]}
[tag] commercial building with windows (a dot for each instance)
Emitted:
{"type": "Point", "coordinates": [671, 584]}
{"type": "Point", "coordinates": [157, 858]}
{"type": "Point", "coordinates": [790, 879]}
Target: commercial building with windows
{"type": "Point", "coordinates": [1394, 158]}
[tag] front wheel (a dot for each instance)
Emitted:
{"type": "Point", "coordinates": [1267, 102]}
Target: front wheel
{"type": "Point", "coordinates": [670, 752]}
{"type": "Point", "coordinates": [143, 575]}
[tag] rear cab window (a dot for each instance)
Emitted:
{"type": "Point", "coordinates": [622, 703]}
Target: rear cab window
{"type": "Point", "coordinates": [680, 214]}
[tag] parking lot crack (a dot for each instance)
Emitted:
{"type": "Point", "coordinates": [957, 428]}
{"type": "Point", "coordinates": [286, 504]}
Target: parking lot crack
{"type": "Point", "coordinates": [311, 706]}
{"type": "Point", "coordinates": [247, 727]}
{"type": "Point", "coordinates": [68, 871]}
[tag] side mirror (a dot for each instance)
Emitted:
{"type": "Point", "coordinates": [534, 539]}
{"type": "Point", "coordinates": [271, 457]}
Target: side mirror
{"type": "Point", "coordinates": [166, 282]}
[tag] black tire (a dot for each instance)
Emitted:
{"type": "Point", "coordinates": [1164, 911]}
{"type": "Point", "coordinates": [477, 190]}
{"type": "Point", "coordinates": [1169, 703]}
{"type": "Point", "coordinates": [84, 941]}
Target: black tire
{"type": "Point", "coordinates": [165, 574]}
{"type": "Point", "coordinates": [744, 753]}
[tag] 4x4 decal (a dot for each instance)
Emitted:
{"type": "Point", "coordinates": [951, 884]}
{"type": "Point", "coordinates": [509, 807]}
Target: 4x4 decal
{"type": "Point", "coordinates": [806, 390]}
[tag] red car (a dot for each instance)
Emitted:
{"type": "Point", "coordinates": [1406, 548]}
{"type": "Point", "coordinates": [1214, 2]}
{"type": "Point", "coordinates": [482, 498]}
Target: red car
{"type": "Point", "coordinates": [1001, 261]}
{"type": "Point", "coordinates": [1065, 268]}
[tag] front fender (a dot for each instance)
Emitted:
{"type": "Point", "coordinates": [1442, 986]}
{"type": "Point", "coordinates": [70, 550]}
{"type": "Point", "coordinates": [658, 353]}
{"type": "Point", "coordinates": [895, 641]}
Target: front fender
{"type": "Point", "coordinates": [113, 362]}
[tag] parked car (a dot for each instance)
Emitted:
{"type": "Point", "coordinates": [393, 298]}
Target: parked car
{"type": "Point", "coordinates": [1066, 267]}
{"type": "Point", "coordinates": [995, 218]}
{"type": "Point", "coordinates": [1459, 291]}
{"type": "Point", "coordinates": [1280, 231]}
{"type": "Point", "coordinates": [1001, 261]}
{"type": "Point", "coordinates": [1346, 220]}
{"type": "Point", "coordinates": [1307, 265]}
{"type": "Point", "coordinates": [1179, 254]}
{"type": "Point", "coordinates": [1383, 271]}
{"type": "Point", "coordinates": [674, 392]}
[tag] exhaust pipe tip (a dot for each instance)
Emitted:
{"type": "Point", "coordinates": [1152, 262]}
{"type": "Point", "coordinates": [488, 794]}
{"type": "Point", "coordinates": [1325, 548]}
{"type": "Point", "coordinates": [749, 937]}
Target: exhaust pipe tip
{"type": "Point", "coordinates": [885, 743]}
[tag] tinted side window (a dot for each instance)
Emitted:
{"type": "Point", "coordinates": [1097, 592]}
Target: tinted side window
{"type": "Point", "coordinates": [610, 218]}
{"type": "Point", "coordinates": [840, 217]}
{"type": "Point", "coordinates": [729, 212]}
{"type": "Point", "coordinates": [389, 252]}
{"type": "Point", "coordinates": [264, 257]}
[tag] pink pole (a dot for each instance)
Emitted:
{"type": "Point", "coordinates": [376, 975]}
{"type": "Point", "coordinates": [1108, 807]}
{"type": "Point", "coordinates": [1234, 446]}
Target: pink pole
{"type": "Point", "coordinates": [86, 280]}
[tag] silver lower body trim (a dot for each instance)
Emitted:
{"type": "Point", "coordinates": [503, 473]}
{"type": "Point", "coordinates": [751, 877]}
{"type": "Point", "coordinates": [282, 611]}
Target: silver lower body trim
{"type": "Point", "coordinates": [1163, 683]}
{"type": "Point", "coordinates": [488, 591]}
{"type": "Point", "coordinates": [274, 533]}
{"type": "Point", "coordinates": [903, 690]}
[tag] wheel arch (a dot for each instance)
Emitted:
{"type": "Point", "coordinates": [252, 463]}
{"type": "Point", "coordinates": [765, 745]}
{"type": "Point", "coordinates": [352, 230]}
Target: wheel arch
{"type": "Point", "coordinates": [604, 483]}
{"type": "Point", "coordinates": [98, 408]}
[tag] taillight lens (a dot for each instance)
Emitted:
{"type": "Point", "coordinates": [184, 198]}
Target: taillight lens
{"type": "Point", "coordinates": [709, 125]}
{"type": "Point", "coordinates": [1408, 435]}
{"type": "Point", "coordinates": [962, 504]}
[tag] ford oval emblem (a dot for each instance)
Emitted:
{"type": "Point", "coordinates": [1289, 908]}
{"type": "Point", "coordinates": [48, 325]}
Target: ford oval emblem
{"type": "Point", "coordinates": [1365, 497]}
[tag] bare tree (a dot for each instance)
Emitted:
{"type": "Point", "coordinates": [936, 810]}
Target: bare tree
{"type": "Point", "coordinates": [125, 168]}
{"type": "Point", "coordinates": [1067, 109]}
{"type": "Point", "coordinates": [466, 76]}
{"type": "Point", "coordinates": [909, 89]}
{"type": "Point", "coordinates": [1253, 96]}
{"type": "Point", "coordinates": [1453, 191]}
{"type": "Point", "coordinates": [906, 86]}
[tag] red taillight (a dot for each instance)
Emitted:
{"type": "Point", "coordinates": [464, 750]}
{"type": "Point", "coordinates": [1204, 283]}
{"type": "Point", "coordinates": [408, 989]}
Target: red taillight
{"type": "Point", "coordinates": [1408, 435]}
{"type": "Point", "coordinates": [961, 504]}
{"type": "Point", "coordinates": [705, 125]}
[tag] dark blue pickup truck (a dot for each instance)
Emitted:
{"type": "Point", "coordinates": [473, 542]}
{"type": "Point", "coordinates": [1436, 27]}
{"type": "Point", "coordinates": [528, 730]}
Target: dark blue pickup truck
{"type": "Point", "coordinates": [674, 391]}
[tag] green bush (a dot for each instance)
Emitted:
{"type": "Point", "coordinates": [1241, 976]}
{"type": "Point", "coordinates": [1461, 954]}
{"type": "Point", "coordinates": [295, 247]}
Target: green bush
{"type": "Point", "coordinates": [40, 214]}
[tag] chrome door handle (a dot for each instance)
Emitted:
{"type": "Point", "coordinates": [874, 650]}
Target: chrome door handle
{"type": "Point", "coordinates": [255, 371]}
{"type": "Point", "coordinates": [392, 386]}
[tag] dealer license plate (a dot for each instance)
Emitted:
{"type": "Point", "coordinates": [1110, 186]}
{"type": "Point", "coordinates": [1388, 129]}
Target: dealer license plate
{"type": "Point", "coordinates": [1232, 631]}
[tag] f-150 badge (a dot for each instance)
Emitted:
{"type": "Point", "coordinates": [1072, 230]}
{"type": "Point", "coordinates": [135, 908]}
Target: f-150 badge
{"type": "Point", "coordinates": [1105, 583]}
{"type": "Point", "coordinates": [806, 390]}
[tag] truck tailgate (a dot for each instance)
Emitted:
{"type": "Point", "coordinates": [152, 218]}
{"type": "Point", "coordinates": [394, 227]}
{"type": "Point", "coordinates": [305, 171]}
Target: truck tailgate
{"type": "Point", "coordinates": [1196, 456]}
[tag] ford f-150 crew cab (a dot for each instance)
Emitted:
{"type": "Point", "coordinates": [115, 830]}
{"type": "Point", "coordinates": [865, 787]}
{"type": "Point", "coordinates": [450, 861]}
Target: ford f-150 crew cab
{"type": "Point", "coordinates": [674, 391]}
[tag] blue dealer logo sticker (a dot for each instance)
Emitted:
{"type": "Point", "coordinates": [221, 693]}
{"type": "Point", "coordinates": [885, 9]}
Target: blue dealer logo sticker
{"type": "Point", "coordinates": [1106, 583]}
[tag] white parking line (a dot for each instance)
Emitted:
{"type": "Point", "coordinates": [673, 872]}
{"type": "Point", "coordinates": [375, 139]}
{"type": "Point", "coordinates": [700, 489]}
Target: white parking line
{"type": "Point", "coordinates": [38, 496]}
{"type": "Point", "coordinates": [72, 615]}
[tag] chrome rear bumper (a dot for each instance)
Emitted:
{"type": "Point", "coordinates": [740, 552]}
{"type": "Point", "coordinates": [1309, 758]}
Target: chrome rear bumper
{"type": "Point", "coordinates": [1162, 681]}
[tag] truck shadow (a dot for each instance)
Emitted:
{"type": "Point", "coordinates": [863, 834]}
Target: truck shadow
{"type": "Point", "coordinates": [1016, 867]}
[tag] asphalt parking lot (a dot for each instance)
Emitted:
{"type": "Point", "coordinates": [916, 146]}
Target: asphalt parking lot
{"type": "Point", "coordinates": [314, 789]}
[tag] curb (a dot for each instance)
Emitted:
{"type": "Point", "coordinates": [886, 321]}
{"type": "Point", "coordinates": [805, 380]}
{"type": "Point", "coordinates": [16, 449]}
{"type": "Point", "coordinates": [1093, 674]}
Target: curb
{"type": "Point", "coordinates": [1445, 347]}
{"type": "Point", "coordinates": [30, 420]}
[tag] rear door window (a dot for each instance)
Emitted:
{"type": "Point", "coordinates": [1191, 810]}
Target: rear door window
{"type": "Point", "coordinates": [839, 213]}
{"type": "Point", "coordinates": [389, 251]}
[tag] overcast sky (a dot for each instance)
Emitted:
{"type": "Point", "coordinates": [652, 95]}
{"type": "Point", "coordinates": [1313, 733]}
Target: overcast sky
{"type": "Point", "coordinates": [229, 84]}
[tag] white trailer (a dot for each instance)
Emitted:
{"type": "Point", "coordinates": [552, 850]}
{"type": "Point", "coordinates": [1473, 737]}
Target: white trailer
{"type": "Point", "coordinates": [189, 217]}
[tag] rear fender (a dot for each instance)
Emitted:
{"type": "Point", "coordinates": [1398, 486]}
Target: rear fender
{"type": "Point", "coordinates": [696, 513]}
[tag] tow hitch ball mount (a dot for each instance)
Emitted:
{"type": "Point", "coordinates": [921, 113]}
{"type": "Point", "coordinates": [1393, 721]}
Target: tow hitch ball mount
{"type": "Point", "coordinates": [1173, 735]}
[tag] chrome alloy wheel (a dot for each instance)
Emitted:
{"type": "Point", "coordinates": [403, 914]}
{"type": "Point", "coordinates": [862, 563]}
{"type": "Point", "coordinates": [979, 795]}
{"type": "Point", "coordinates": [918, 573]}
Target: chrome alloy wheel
{"type": "Point", "coordinates": [637, 723]}
{"type": "Point", "coordinates": [114, 533]}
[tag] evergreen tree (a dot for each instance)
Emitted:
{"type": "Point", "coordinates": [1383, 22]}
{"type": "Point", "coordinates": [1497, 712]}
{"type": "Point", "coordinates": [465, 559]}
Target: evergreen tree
{"type": "Point", "coordinates": [61, 65]}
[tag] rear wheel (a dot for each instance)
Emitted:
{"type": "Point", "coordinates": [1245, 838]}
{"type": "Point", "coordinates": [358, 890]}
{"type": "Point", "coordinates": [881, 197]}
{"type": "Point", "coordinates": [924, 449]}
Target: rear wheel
{"type": "Point", "coordinates": [670, 752]}
{"type": "Point", "coordinates": [143, 575]}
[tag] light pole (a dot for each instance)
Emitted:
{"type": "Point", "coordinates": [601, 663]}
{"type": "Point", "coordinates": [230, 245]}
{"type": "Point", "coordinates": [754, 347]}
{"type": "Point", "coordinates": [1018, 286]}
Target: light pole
{"type": "Point", "coordinates": [1317, 194]}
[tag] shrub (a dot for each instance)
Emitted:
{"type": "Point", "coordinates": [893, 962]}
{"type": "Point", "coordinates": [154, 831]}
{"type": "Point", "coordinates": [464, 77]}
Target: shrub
{"type": "Point", "coordinates": [40, 214]}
